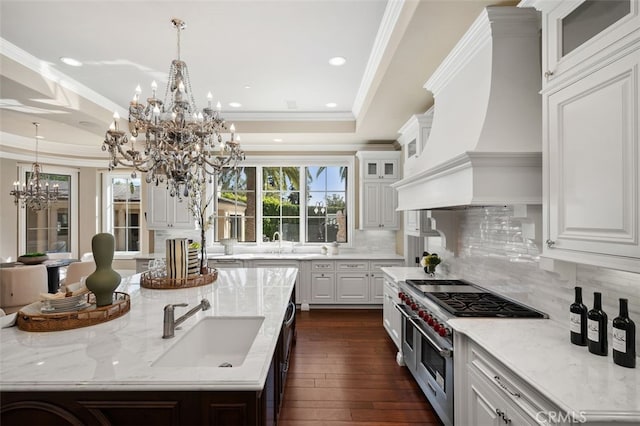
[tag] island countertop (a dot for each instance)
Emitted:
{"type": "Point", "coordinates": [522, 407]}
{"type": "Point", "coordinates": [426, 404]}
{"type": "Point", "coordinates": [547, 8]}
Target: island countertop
{"type": "Point", "coordinates": [118, 355]}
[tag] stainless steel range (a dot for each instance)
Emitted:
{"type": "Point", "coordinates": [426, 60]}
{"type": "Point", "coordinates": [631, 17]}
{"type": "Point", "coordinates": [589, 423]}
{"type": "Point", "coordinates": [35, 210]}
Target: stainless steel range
{"type": "Point", "coordinates": [427, 341]}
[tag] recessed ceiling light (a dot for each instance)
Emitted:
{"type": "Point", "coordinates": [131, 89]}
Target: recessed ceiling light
{"type": "Point", "coordinates": [247, 86]}
{"type": "Point", "coordinates": [70, 61]}
{"type": "Point", "coordinates": [235, 104]}
{"type": "Point", "coordinates": [277, 140]}
{"type": "Point", "coordinates": [39, 137]}
{"type": "Point", "coordinates": [331, 105]}
{"type": "Point", "coordinates": [337, 61]}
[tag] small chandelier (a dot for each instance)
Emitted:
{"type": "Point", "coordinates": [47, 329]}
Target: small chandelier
{"type": "Point", "coordinates": [35, 194]}
{"type": "Point", "coordinates": [182, 146]}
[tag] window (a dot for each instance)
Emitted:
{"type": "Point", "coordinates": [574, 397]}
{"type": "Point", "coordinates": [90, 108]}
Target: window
{"type": "Point", "coordinates": [122, 193]}
{"type": "Point", "coordinates": [326, 204]}
{"type": "Point", "coordinates": [55, 229]}
{"type": "Point", "coordinates": [236, 205]}
{"type": "Point", "coordinates": [47, 230]}
{"type": "Point", "coordinates": [281, 203]}
{"type": "Point", "coordinates": [303, 203]}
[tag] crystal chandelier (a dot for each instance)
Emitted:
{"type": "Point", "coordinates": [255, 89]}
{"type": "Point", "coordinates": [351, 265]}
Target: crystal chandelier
{"type": "Point", "coordinates": [182, 146]}
{"type": "Point", "coordinates": [36, 194]}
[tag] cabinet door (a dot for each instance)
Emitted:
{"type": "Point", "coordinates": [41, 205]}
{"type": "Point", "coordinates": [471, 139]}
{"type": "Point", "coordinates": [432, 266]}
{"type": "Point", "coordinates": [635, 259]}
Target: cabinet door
{"type": "Point", "coordinates": [323, 289]}
{"type": "Point", "coordinates": [592, 156]}
{"type": "Point", "coordinates": [157, 214]}
{"type": "Point", "coordinates": [488, 408]}
{"type": "Point", "coordinates": [411, 223]}
{"type": "Point", "coordinates": [381, 169]}
{"type": "Point", "coordinates": [580, 33]}
{"type": "Point", "coordinates": [352, 287]}
{"type": "Point", "coordinates": [388, 204]}
{"type": "Point", "coordinates": [377, 287]}
{"type": "Point", "coordinates": [182, 217]}
{"type": "Point", "coordinates": [371, 206]}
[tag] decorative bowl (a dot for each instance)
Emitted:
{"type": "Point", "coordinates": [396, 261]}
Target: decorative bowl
{"type": "Point", "coordinates": [28, 259]}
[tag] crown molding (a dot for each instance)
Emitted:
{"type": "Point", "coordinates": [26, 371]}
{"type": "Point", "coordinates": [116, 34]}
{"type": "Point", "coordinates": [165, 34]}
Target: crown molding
{"type": "Point", "coordinates": [385, 31]}
{"type": "Point", "coordinates": [44, 69]}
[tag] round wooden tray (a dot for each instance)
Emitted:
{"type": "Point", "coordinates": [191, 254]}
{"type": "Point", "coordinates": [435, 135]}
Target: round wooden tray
{"type": "Point", "coordinates": [164, 283]}
{"type": "Point", "coordinates": [31, 319]}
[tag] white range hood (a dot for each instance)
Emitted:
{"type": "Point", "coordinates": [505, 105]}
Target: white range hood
{"type": "Point", "coordinates": [484, 146]}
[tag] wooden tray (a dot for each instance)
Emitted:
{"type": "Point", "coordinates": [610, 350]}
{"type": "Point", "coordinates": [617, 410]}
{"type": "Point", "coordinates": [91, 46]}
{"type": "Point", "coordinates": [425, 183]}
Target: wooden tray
{"type": "Point", "coordinates": [31, 319]}
{"type": "Point", "coordinates": [164, 283]}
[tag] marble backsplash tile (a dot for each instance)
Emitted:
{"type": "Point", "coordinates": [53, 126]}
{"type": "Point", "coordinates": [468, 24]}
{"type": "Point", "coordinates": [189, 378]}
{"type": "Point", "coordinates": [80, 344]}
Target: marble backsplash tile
{"type": "Point", "coordinates": [493, 253]}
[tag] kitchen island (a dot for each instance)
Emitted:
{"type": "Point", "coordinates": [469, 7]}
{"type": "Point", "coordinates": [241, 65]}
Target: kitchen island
{"type": "Point", "coordinates": [107, 372]}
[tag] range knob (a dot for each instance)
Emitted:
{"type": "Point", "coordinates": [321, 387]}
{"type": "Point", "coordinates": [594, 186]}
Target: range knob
{"type": "Point", "coordinates": [401, 295]}
{"type": "Point", "coordinates": [431, 320]}
{"type": "Point", "coordinates": [414, 306]}
{"type": "Point", "coordinates": [443, 332]}
{"type": "Point", "coordinates": [436, 326]}
{"type": "Point", "coordinates": [421, 313]}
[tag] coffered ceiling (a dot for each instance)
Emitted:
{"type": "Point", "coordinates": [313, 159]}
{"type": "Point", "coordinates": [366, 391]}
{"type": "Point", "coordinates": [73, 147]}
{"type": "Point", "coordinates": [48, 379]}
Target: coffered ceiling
{"type": "Point", "coordinates": [269, 56]}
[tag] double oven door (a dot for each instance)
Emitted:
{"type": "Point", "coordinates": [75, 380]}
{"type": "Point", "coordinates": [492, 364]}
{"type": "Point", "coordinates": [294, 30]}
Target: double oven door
{"type": "Point", "coordinates": [430, 360]}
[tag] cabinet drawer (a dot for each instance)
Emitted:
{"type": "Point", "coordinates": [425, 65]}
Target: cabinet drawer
{"type": "Point", "coordinates": [352, 266]}
{"type": "Point", "coordinates": [322, 265]}
{"type": "Point", "coordinates": [376, 266]}
{"type": "Point", "coordinates": [512, 388]}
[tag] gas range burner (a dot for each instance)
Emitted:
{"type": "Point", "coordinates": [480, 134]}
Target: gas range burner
{"type": "Point", "coordinates": [481, 304]}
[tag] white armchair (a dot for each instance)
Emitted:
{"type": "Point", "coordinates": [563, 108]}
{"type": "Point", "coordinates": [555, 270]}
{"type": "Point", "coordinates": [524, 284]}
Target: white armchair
{"type": "Point", "coordinates": [77, 270]}
{"type": "Point", "coordinates": [21, 286]}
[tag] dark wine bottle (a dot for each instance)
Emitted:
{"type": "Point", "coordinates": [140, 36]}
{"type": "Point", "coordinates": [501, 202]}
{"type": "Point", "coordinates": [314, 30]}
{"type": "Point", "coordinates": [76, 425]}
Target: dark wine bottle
{"type": "Point", "coordinates": [578, 320]}
{"type": "Point", "coordinates": [624, 338]}
{"type": "Point", "coordinates": [597, 327]}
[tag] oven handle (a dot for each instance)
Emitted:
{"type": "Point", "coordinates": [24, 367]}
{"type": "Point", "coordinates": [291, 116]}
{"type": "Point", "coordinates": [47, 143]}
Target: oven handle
{"type": "Point", "coordinates": [443, 352]}
{"type": "Point", "coordinates": [289, 321]}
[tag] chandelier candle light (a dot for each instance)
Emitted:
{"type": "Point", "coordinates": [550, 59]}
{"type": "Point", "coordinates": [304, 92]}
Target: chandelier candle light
{"type": "Point", "coordinates": [35, 194]}
{"type": "Point", "coordinates": [182, 145]}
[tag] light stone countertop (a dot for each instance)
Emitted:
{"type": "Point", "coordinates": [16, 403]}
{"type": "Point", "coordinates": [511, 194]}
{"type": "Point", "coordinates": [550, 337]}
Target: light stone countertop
{"type": "Point", "coordinates": [117, 355]}
{"type": "Point", "coordinates": [345, 255]}
{"type": "Point", "coordinates": [539, 351]}
{"type": "Point", "coordinates": [403, 273]}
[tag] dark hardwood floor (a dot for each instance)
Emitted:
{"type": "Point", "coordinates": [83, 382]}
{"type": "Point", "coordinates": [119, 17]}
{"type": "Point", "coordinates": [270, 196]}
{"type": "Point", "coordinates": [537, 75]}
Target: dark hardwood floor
{"type": "Point", "coordinates": [344, 372]}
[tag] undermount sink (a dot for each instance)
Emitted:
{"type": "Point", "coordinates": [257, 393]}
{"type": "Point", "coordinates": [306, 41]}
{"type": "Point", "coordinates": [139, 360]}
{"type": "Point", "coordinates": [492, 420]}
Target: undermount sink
{"type": "Point", "coordinates": [213, 342]}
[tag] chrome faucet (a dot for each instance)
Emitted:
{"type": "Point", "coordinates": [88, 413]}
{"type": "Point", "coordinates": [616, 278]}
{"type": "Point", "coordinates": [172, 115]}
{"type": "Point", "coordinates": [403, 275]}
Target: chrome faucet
{"type": "Point", "coordinates": [170, 323]}
{"type": "Point", "coordinates": [279, 240]}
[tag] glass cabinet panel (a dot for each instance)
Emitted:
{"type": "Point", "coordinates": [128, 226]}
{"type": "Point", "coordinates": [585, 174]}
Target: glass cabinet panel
{"type": "Point", "coordinates": [589, 19]}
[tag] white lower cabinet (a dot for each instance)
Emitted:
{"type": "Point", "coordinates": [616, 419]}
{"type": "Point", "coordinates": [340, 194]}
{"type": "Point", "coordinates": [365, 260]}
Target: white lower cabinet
{"type": "Point", "coordinates": [344, 282]}
{"type": "Point", "coordinates": [323, 287]}
{"type": "Point", "coordinates": [488, 408]}
{"type": "Point", "coordinates": [391, 318]}
{"type": "Point", "coordinates": [488, 393]}
{"type": "Point", "coordinates": [352, 287]}
{"type": "Point", "coordinates": [377, 287]}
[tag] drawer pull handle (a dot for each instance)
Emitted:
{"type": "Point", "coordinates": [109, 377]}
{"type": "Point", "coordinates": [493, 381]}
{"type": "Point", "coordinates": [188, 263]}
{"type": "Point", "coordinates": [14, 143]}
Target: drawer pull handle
{"type": "Point", "coordinates": [503, 386]}
{"type": "Point", "coordinates": [548, 74]}
{"type": "Point", "coordinates": [550, 243]}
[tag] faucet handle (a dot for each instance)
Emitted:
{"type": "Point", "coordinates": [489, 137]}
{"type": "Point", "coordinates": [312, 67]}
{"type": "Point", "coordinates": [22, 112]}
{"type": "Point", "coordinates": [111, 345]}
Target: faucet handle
{"type": "Point", "coordinates": [170, 306]}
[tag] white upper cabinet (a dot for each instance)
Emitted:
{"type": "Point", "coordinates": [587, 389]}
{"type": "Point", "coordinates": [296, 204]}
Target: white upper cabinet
{"type": "Point", "coordinates": [381, 169]}
{"type": "Point", "coordinates": [166, 212]}
{"type": "Point", "coordinates": [378, 200]}
{"type": "Point", "coordinates": [582, 33]}
{"type": "Point", "coordinates": [591, 149]}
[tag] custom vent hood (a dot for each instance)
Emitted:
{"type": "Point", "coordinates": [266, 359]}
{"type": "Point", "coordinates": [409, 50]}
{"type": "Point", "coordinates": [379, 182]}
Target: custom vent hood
{"type": "Point", "coordinates": [484, 145]}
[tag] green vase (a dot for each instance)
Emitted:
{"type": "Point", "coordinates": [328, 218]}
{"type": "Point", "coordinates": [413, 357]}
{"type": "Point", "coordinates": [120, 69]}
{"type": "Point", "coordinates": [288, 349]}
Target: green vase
{"type": "Point", "coordinates": [103, 282]}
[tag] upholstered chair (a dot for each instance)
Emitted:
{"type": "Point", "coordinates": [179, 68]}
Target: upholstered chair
{"type": "Point", "coordinates": [21, 285]}
{"type": "Point", "coordinates": [77, 270]}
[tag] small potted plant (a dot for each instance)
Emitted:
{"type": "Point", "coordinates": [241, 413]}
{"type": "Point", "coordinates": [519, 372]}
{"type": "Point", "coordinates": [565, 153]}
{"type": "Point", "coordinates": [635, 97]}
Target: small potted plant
{"type": "Point", "coordinates": [33, 258]}
{"type": "Point", "coordinates": [430, 261]}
